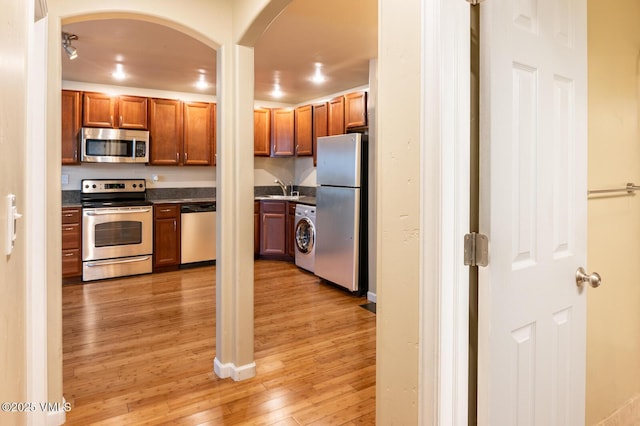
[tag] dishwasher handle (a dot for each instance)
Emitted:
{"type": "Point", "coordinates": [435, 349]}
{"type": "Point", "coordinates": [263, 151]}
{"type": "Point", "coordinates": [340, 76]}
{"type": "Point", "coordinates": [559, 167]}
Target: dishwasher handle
{"type": "Point", "coordinates": [198, 208]}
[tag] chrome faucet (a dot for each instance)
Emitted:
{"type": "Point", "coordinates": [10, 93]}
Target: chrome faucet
{"type": "Point", "coordinates": [282, 186]}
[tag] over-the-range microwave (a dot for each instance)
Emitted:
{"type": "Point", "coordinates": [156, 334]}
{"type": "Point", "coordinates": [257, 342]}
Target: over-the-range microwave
{"type": "Point", "coordinates": [99, 145]}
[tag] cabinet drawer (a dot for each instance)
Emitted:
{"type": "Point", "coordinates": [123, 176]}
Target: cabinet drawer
{"type": "Point", "coordinates": [71, 236]}
{"type": "Point", "coordinates": [71, 263]}
{"type": "Point", "coordinates": [273, 206]}
{"type": "Point", "coordinates": [71, 215]}
{"type": "Point", "coordinates": [166, 211]}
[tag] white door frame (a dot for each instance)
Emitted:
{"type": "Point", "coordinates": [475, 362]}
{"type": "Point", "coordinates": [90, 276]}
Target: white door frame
{"type": "Point", "coordinates": [36, 218]}
{"type": "Point", "coordinates": [445, 212]}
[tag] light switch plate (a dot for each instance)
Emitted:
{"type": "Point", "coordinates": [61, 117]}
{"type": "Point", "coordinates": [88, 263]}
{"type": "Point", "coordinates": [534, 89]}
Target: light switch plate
{"type": "Point", "coordinates": [12, 217]}
{"type": "Point", "coordinates": [65, 179]}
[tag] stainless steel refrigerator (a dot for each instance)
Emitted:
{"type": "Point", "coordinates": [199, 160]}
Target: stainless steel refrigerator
{"type": "Point", "coordinates": [341, 213]}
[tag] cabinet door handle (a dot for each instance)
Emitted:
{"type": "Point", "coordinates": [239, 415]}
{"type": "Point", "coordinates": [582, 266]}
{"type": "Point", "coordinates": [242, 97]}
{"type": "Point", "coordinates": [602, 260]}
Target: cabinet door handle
{"type": "Point", "coordinates": [175, 226]}
{"type": "Point", "coordinates": [165, 210]}
{"type": "Point", "coordinates": [120, 121]}
{"type": "Point", "coordinates": [177, 157]}
{"type": "Point", "coordinates": [68, 229]}
{"type": "Point", "coordinates": [68, 254]}
{"type": "Point", "coordinates": [111, 120]}
{"type": "Point", "coordinates": [185, 157]}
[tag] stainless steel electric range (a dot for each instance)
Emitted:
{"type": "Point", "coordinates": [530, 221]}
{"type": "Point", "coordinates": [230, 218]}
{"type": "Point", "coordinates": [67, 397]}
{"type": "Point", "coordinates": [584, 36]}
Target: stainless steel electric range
{"type": "Point", "coordinates": [117, 228]}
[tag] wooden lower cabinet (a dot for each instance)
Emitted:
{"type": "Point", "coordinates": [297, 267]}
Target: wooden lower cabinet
{"type": "Point", "coordinates": [272, 228]}
{"type": "Point", "coordinates": [291, 229]}
{"type": "Point", "coordinates": [256, 228]}
{"type": "Point", "coordinates": [166, 236]}
{"type": "Point", "coordinates": [277, 219]}
{"type": "Point", "coordinates": [71, 242]}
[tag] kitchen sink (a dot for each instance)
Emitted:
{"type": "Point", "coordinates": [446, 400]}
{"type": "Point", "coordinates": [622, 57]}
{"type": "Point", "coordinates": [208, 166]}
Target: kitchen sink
{"type": "Point", "coordinates": [280, 197]}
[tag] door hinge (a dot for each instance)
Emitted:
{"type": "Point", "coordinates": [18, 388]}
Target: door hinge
{"type": "Point", "coordinates": [476, 249]}
{"type": "Point", "coordinates": [474, 2]}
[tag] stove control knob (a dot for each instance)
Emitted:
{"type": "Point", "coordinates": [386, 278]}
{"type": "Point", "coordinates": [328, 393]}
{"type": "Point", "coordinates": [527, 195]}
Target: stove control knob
{"type": "Point", "coordinates": [94, 186]}
{"type": "Point", "coordinates": [134, 185]}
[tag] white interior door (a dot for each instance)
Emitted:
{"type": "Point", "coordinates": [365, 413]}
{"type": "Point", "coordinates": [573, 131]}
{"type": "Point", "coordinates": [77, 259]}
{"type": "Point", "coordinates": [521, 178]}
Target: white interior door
{"type": "Point", "coordinates": [533, 208]}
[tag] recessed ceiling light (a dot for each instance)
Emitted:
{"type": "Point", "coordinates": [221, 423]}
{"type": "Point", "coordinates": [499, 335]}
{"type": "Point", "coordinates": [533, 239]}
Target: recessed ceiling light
{"type": "Point", "coordinates": [276, 93]}
{"type": "Point", "coordinates": [202, 83]}
{"type": "Point", "coordinates": [318, 77]}
{"type": "Point", "coordinates": [119, 74]}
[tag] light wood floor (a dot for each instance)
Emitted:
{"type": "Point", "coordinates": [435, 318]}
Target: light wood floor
{"type": "Point", "coordinates": [140, 350]}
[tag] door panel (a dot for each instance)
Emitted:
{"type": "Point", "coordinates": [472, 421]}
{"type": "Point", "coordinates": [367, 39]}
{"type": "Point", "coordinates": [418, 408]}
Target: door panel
{"type": "Point", "coordinates": [532, 316]}
{"type": "Point", "coordinates": [338, 233]}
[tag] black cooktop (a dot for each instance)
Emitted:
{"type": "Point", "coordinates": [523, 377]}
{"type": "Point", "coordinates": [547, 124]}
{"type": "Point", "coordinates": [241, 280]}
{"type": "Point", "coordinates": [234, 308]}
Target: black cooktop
{"type": "Point", "coordinates": [97, 193]}
{"type": "Point", "coordinates": [95, 204]}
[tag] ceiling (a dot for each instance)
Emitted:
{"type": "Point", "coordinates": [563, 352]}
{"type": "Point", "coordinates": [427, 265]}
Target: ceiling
{"type": "Point", "coordinates": [341, 35]}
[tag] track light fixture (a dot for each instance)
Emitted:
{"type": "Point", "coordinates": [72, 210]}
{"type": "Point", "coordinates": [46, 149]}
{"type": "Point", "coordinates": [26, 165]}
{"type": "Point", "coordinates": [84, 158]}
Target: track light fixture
{"type": "Point", "coordinates": [71, 51]}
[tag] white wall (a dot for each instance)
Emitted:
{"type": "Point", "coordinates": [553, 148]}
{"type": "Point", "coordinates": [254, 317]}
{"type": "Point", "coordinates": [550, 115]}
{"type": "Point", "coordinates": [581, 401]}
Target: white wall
{"type": "Point", "coordinates": [613, 309]}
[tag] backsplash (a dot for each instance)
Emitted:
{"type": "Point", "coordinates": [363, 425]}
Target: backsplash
{"type": "Point", "coordinates": [174, 193]}
{"type": "Point", "coordinates": [299, 171]}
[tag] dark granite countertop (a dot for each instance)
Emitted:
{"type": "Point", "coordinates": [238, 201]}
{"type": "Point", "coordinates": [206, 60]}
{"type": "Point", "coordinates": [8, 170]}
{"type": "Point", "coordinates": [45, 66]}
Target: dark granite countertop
{"type": "Point", "coordinates": [302, 199]}
{"type": "Point", "coordinates": [200, 195]}
{"type": "Point", "coordinates": [183, 200]}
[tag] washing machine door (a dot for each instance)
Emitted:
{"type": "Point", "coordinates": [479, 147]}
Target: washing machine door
{"type": "Point", "coordinates": [305, 235]}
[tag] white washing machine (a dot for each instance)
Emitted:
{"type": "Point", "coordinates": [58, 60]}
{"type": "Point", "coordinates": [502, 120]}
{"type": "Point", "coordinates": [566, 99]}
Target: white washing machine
{"type": "Point", "coordinates": [305, 237]}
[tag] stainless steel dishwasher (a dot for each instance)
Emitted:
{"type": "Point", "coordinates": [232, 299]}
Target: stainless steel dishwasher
{"type": "Point", "coordinates": [198, 233]}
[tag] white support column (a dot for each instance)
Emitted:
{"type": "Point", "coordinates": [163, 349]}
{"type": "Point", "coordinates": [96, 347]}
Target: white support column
{"type": "Point", "coordinates": [234, 271]}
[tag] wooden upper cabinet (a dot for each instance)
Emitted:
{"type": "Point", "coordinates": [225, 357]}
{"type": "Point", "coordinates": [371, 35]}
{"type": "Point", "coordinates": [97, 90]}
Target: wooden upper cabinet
{"type": "Point", "coordinates": [71, 125]}
{"type": "Point", "coordinates": [132, 112]}
{"type": "Point", "coordinates": [282, 132]}
{"type": "Point", "coordinates": [182, 133]}
{"type": "Point", "coordinates": [165, 131]}
{"type": "Point", "coordinates": [98, 110]}
{"type": "Point", "coordinates": [262, 132]}
{"type": "Point", "coordinates": [304, 130]}
{"type": "Point", "coordinates": [320, 125]}
{"type": "Point", "coordinates": [214, 133]}
{"type": "Point", "coordinates": [355, 110]}
{"type": "Point", "coordinates": [198, 133]}
{"type": "Point", "coordinates": [336, 116]}
{"type": "Point", "coordinates": [103, 110]}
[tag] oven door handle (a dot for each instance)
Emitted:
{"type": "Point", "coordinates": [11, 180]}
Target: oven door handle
{"type": "Point", "coordinates": [116, 262]}
{"type": "Point", "coordinates": [106, 212]}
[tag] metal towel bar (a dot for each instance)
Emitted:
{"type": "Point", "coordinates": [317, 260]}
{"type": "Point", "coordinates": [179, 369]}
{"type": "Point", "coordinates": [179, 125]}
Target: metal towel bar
{"type": "Point", "coordinates": [631, 188]}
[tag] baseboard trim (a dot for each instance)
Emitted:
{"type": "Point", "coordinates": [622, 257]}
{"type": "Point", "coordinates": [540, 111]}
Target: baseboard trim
{"type": "Point", "coordinates": [371, 297]}
{"type": "Point", "coordinates": [58, 417]}
{"type": "Point", "coordinates": [229, 369]}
